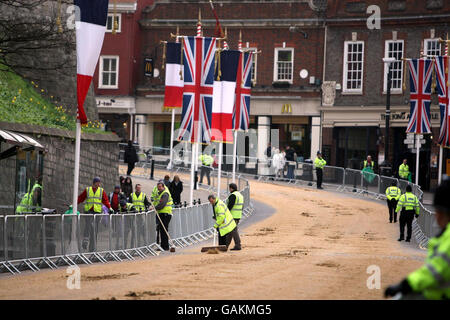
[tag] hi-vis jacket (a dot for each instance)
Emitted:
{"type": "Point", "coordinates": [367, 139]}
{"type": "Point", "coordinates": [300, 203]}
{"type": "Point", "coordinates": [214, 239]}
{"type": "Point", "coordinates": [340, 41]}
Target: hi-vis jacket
{"type": "Point", "coordinates": [224, 219]}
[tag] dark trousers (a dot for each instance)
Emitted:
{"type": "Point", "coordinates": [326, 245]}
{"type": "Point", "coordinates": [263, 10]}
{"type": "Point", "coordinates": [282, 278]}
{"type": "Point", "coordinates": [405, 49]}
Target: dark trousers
{"type": "Point", "coordinates": [236, 237]}
{"type": "Point", "coordinates": [205, 171]}
{"type": "Point", "coordinates": [406, 218]}
{"type": "Point", "coordinates": [130, 168]}
{"type": "Point", "coordinates": [319, 173]}
{"type": "Point", "coordinates": [226, 239]}
{"type": "Point", "coordinates": [392, 205]}
{"type": "Point", "coordinates": [290, 173]}
{"type": "Point", "coordinates": [165, 218]}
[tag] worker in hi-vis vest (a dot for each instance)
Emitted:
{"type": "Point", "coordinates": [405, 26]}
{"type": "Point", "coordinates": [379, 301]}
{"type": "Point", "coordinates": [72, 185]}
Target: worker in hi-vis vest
{"type": "Point", "coordinates": [431, 281]}
{"type": "Point", "coordinates": [235, 203]}
{"type": "Point", "coordinates": [225, 224]}
{"type": "Point", "coordinates": [409, 206]}
{"type": "Point", "coordinates": [93, 197]}
{"type": "Point", "coordinates": [393, 193]}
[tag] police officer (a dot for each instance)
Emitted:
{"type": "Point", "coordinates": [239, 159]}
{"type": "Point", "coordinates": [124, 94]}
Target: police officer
{"type": "Point", "coordinates": [164, 209]}
{"type": "Point", "coordinates": [235, 204]}
{"type": "Point", "coordinates": [403, 170]}
{"type": "Point", "coordinates": [319, 164]}
{"type": "Point", "coordinates": [431, 281]}
{"type": "Point", "coordinates": [409, 206]}
{"type": "Point", "coordinates": [393, 193]}
{"type": "Point", "coordinates": [224, 220]}
{"type": "Point", "coordinates": [207, 162]}
{"type": "Point", "coordinates": [139, 199]}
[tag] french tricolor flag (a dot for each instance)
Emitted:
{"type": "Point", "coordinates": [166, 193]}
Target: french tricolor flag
{"type": "Point", "coordinates": [173, 97]}
{"type": "Point", "coordinates": [90, 32]}
{"type": "Point", "coordinates": [224, 96]}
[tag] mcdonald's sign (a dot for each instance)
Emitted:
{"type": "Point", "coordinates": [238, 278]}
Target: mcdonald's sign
{"type": "Point", "coordinates": [164, 109]}
{"type": "Point", "coordinates": [148, 67]}
{"type": "Point", "coordinates": [287, 108]}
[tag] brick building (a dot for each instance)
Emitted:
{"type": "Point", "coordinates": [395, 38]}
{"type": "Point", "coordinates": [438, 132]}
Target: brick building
{"type": "Point", "coordinates": [354, 91]}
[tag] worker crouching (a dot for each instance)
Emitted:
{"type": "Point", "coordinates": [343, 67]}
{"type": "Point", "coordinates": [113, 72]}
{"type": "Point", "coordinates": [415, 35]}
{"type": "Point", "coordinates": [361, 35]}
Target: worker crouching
{"type": "Point", "coordinates": [224, 221]}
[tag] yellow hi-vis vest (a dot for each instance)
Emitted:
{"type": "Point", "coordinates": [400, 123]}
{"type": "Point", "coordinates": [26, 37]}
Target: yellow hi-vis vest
{"type": "Point", "coordinates": [371, 164]}
{"type": "Point", "coordinates": [224, 219]}
{"type": "Point", "coordinates": [206, 159]}
{"type": "Point", "coordinates": [409, 202]}
{"type": "Point", "coordinates": [319, 163]}
{"type": "Point", "coordinates": [168, 207]}
{"type": "Point", "coordinates": [236, 211]}
{"type": "Point", "coordinates": [93, 199]}
{"type": "Point", "coordinates": [25, 204]}
{"type": "Point", "coordinates": [403, 171]}
{"type": "Point", "coordinates": [433, 279]}
{"type": "Point", "coordinates": [138, 202]}
{"type": "Point", "coordinates": [393, 193]}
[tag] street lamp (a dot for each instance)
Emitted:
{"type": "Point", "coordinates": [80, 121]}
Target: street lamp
{"type": "Point", "coordinates": [388, 62]}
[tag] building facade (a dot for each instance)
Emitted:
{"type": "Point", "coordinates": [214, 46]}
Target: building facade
{"type": "Point", "coordinates": [355, 82]}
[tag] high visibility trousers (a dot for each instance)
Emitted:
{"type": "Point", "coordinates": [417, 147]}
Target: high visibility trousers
{"type": "Point", "coordinates": [406, 219]}
{"type": "Point", "coordinates": [392, 205]}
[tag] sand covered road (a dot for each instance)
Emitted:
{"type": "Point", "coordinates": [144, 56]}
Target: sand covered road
{"type": "Point", "coordinates": [318, 245]}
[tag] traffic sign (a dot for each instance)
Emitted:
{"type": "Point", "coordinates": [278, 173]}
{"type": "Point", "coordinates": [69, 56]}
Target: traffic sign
{"type": "Point", "coordinates": [408, 141]}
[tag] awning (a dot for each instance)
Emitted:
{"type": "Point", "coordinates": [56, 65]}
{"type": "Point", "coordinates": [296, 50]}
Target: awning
{"type": "Point", "coordinates": [19, 139]}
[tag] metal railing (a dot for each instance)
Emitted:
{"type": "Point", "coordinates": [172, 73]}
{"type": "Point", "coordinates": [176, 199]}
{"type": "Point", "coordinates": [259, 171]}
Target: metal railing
{"type": "Point", "coordinates": [32, 242]}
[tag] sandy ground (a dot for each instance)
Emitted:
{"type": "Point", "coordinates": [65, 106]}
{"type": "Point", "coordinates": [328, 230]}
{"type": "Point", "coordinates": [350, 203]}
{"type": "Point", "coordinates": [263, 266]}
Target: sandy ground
{"type": "Point", "coordinates": [318, 245]}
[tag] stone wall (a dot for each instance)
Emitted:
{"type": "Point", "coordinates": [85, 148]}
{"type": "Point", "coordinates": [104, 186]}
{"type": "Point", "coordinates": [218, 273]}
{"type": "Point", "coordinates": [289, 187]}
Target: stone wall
{"type": "Point", "coordinates": [99, 157]}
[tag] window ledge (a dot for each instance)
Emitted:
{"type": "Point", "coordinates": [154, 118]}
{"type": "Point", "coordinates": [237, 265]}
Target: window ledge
{"type": "Point", "coordinates": [112, 88]}
{"type": "Point", "coordinates": [395, 92]}
{"type": "Point", "coordinates": [352, 93]}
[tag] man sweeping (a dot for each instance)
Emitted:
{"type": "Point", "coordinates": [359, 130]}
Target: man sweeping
{"type": "Point", "coordinates": [224, 221]}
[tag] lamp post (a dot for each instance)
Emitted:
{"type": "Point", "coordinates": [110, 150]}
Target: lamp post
{"type": "Point", "coordinates": [388, 62]}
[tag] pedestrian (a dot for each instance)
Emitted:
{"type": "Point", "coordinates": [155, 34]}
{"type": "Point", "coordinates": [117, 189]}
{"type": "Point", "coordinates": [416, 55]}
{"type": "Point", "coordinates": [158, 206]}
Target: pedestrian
{"type": "Point", "coordinates": [368, 172]}
{"type": "Point", "coordinates": [269, 153]}
{"type": "Point", "coordinates": [431, 281]}
{"type": "Point", "coordinates": [139, 199]}
{"type": "Point", "coordinates": [393, 193]}
{"type": "Point", "coordinates": [115, 197]}
{"type": "Point", "coordinates": [31, 202]}
{"type": "Point", "coordinates": [176, 188]}
{"type": "Point", "coordinates": [127, 188]}
{"type": "Point", "coordinates": [130, 157]}
{"type": "Point", "coordinates": [224, 224]}
{"type": "Point", "coordinates": [164, 210]}
{"type": "Point", "coordinates": [94, 197]}
{"type": "Point", "coordinates": [206, 168]}
{"type": "Point", "coordinates": [403, 170]}
{"type": "Point", "coordinates": [235, 204]}
{"type": "Point", "coordinates": [167, 181]}
{"type": "Point", "coordinates": [408, 204]}
{"type": "Point", "coordinates": [277, 163]}
{"type": "Point", "coordinates": [319, 163]}
{"type": "Point", "coordinates": [121, 182]}
{"type": "Point", "coordinates": [291, 161]}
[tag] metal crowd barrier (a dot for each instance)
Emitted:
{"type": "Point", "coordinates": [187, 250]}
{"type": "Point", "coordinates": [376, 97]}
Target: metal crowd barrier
{"type": "Point", "coordinates": [33, 242]}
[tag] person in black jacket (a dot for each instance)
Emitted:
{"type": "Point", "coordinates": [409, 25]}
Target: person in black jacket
{"type": "Point", "coordinates": [130, 157]}
{"type": "Point", "coordinates": [176, 187]}
{"type": "Point", "coordinates": [291, 161]}
{"type": "Point", "coordinates": [127, 187]}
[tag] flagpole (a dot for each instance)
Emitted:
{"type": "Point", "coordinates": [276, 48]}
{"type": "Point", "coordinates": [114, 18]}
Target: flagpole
{"type": "Point", "coordinates": [172, 128]}
{"type": "Point", "coordinates": [441, 152]}
{"type": "Point", "coordinates": [417, 158]}
{"type": "Point", "coordinates": [77, 168]}
{"type": "Point", "coordinates": [192, 174]}
{"type": "Point", "coordinates": [219, 173]}
{"type": "Point", "coordinates": [234, 154]}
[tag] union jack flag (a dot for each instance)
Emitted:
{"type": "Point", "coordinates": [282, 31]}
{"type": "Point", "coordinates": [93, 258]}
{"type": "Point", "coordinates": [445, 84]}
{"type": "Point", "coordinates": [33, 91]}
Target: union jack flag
{"type": "Point", "coordinates": [420, 71]}
{"type": "Point", "coordinates": [198, 89]}
{"type": "Point", "coordinates": [241, 111]}
{"type": "Point", "coordinates": [442, 64]}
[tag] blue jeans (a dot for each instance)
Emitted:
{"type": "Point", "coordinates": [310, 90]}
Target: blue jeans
{"type": "Point", "coordinates": [290, 173]}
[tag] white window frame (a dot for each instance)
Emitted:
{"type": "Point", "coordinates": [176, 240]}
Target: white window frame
{"type": "Point", "coordinates": [426, 43]}
{"type": "Point", "coordinates": [275, 65]}
{"type": "Point", "coordinates": [255, 62]}
{"type": "Point", "coordinates": [346, 90]}
{"type": "Point", "coordinates": [119, 28]}
{"type": "Point", "coordinates": [100, 73]}
{"type": "Point", "coordinates": [386, 68]}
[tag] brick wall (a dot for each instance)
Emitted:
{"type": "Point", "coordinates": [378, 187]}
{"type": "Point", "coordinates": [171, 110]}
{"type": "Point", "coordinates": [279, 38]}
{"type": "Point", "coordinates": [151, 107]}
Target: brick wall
{"type": "Point", "coordinates": [99, 155]}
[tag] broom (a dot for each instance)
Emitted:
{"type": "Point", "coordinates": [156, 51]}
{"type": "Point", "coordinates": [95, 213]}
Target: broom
{"type": "Point", "coordinates": [214, 248]}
